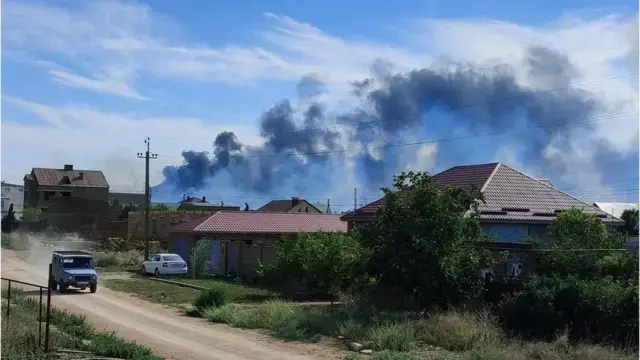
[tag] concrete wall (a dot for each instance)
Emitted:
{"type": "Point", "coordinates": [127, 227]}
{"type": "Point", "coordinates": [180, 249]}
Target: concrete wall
{"type": "Point", "coordinates": [239, 254]}
{"type": "Point", "coordinates": [75, 214]}
{"type": "Point", "coordinates": [160, 222]}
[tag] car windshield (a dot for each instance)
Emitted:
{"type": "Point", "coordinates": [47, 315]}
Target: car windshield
{"type": "Point", "coordinates": [77, 263]}
{"type": "Point", "coordinates": [172, 258]}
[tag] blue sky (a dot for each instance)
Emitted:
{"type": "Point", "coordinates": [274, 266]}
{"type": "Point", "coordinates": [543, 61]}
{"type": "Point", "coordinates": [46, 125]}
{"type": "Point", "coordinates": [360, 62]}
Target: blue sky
{"type": "Point", "coordinates": [86, 82]}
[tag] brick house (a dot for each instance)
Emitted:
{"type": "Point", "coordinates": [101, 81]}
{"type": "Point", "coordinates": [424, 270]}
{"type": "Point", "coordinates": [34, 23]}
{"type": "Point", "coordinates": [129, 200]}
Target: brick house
{"type": "Point", "coordinates": [240, 240]}
{"type": "Point", "coordinates": [295, 205]}
{"type": "Point", "coordinates": [516, 206]}
{"type": "Point", "coordinates": [43, 185]}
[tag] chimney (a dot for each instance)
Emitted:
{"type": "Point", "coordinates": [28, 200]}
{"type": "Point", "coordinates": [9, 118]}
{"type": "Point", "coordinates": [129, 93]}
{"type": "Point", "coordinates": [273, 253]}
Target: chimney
{"type": "Point", "coordinates": [68, 167]}
{"type": "Point", "coordinates": [295, 200]}
{"type": "Point", "coordinates": [222, 203]}
{"type": "Point", "coordinates": [204, 199]}
{"type": "Point", "coordinates": [246, 207]}
{"type": "Point", "coordinates": [81, 176]}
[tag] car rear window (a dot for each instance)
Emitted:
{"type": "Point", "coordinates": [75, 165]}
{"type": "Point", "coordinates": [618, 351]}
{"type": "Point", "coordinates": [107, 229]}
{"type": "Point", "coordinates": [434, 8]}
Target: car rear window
{"type": "Point", "coordinates": [171, 258]}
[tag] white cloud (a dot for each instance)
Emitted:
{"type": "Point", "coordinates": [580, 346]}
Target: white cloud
{"type": "Point", "coordinates": [93, 139]}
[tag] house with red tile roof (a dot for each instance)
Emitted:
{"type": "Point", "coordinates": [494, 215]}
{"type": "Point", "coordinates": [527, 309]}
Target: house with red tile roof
{"type": "Point", "coordinates": [240, 240]}
{"type": "Point", "coordinates": [516, 205]}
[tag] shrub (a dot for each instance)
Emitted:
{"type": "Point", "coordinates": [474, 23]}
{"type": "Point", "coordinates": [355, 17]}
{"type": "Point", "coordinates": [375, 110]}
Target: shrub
{"type": "Point", "coordinates": [593, 310]}
{"type": "Point", "coordinates": [114, 259]}
{"type": "Point", "coordinates": [199, 259]}
{"type": "Point", "coordinates": [320, 261]}
{"type": "Point", "coordinates": [214, 296]}
{"type": "Point", "coordinates": [460, 331]}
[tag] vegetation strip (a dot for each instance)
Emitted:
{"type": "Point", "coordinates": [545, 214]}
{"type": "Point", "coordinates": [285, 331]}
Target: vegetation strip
{"type": "Point", "coordinates": [68, 332]}
{"type": "Point", "coordinates": [196, 287]}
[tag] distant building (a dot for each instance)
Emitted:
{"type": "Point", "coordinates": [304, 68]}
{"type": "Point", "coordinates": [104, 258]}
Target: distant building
{"type": "Point", "coordinates": [12, 194]}
{"type": "Point", "coordinates": [201, 204]}
{"type": "Point", "coordinates": [294, 205]}
{"type": "Point", "coordinates": [615, 209]}
{"type": "Point", "coordinates": [44, 185]}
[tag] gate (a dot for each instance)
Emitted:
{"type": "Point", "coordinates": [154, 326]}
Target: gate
{"type": "Point", "coordinates": [41, 291]}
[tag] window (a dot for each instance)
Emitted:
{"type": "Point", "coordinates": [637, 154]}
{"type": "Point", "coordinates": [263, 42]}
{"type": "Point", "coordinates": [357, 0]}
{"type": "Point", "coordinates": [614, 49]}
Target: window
{"type": "Point", "coordinates": [48, 195]}
{"type": "Point", "coordinates": [306, 209]}
{"type": "Point", "coordinates": [65, 193]}
{"type": "Point", "coordinates": [172, 258]}
{"type": "Point", "coordinates": [7, 189]}
{"type": "Point", "coordinates": [21, 189]}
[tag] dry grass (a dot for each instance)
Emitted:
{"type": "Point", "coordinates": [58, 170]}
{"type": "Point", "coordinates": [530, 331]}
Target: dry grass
{"type": "Point", "coordinates": [459, 335]}
{"type": "Point", "coordinates": [112, 260]}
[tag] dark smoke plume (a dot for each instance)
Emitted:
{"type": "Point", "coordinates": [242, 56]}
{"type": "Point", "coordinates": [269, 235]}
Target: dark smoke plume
{"type": "Point", "coordinates": [436, 101]}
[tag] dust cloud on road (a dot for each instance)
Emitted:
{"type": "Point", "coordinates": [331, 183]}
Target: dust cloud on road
{"type": "Point", "coordinates": [162, 329]}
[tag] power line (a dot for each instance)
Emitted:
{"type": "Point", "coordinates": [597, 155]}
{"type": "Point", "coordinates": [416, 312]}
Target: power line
{"type": "Point", "coordinates": [466, 137]}
{"type": "Point", "coordinates": [461, 107]}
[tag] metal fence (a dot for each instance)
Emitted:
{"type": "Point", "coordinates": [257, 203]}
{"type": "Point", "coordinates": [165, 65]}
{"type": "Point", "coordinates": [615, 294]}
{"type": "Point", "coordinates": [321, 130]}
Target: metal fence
{"type": "Point", "coordinates": [41, 292]}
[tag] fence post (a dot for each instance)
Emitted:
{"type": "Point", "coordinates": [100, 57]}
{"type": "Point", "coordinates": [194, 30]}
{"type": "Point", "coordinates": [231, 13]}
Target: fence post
{"type": "Point", "coordinates": [8, 301]}
{"type": "Point", "coordinates": [40, 320]}
{"type": "Point", "coordinates": [46, 329]}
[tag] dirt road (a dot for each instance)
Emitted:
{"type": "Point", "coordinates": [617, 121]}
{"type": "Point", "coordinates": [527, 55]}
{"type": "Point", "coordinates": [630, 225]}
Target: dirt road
{"type": "Point", "coordinates": [163, 330]}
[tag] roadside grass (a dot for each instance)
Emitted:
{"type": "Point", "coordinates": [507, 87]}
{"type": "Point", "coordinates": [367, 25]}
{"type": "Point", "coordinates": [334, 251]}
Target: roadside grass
{"type": "Point", "coordinates": [154, 291]}
{"type": "Point", "coordinates": [129, 261]}
{"type": "Point", "coordinates": [444, 335]}
{"type": "Point", "coordinates": [68, 331]}
{"type": "Point", "coordinates": [170, 294]}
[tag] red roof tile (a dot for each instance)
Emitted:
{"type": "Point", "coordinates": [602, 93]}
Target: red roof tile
{"type": "Point", "coordinates": [258, 222]}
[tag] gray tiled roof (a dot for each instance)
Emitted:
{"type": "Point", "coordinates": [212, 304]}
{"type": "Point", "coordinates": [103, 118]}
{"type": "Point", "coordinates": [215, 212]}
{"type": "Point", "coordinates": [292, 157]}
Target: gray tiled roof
{"type": "Point", "coordinates": [509, 195]}
{"type": "Point", "coordinates": [513, 196]}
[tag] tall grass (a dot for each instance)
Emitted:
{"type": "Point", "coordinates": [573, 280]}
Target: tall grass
{"type": "Point", "coordinates": [199, 259]}
{"type": "Point", "coordinates": [20, 334]}
{"type": "Point", "coordinates": [462, 335]}
{"type": "Point", "coordinates": [113, 259]}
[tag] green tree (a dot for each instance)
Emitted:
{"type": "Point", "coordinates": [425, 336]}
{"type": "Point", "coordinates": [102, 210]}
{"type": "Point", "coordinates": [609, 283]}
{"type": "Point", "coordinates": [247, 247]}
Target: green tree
{"type": "Point", "coordinates": [160, 207]}
{"type": "Point", "coordinates": [578, 240]}
{"type": "Point", "coordinates": [31, 214]}
{"type": "Point", "coordinates": [9, 221]}
{"type": "Point", "coordinates": [422, 245]}
{"type": "Point", "coordinates": [630, 218]}
{"type": "Point", "coordinates": [321, 261]}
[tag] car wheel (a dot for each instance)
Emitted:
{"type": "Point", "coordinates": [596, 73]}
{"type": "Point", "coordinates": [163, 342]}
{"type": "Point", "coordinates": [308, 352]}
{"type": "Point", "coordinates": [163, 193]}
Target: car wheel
{"type": "Point", "coordinates": [143, 270]}
{"type": "Point", "coordinates": [93, 288]}
{"type": "Point", "coordinates": [157, 272]}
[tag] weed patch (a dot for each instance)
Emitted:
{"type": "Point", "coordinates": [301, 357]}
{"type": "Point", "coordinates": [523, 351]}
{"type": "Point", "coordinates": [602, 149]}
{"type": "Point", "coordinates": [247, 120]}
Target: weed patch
{"type": "Point", "coordinates": [20, 334]}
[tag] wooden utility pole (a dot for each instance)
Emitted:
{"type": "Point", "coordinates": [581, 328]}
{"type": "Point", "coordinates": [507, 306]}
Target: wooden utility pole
{"type": "Point", "coordinates": [147, 194]}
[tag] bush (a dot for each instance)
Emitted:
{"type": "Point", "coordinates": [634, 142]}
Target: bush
{"type": "Point", "coordinates": [319, 261]}
{"type": "Point", "coordinates": [199, 259]}
{"type": "Point", "coordinates": [589, 310]}
{"type": "Point", "coordinates": [113, 259]}
{"type": "Point", "coordinates": [212, 297]}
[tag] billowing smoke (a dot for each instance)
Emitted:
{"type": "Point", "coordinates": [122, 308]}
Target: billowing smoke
{"type": "Point", "coordinates": [259, 169]}
{"type": "Point", "coordinates": [445, 102]}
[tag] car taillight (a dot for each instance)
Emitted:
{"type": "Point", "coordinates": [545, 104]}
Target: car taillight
{"type": "Point", "coordinates": [165, 265]}
{"type": "Point", "coordinates": [184, 265]}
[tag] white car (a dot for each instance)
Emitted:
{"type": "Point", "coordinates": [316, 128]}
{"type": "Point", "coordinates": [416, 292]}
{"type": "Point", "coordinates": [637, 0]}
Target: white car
{"type": "Point", "coordinates": [164, 264]}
